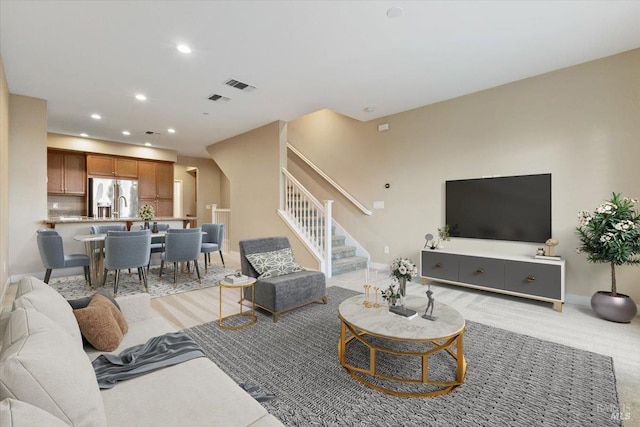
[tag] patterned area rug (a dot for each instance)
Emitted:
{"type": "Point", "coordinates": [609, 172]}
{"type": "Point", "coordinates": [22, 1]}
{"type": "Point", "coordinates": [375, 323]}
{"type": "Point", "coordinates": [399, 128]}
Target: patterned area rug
{"type": "Point", "coordinates": [72, 287]}
{"type": "Point", "coordinates": [512, 379]}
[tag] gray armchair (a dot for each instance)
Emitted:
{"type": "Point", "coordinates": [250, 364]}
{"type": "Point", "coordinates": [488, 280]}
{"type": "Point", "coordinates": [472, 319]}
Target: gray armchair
{"type": "Point", "coordinates": [212, 241]}
{"type": "Point", "coordinates": [281, 293]}
{"type": "Point", "coordinates": [52, 254]}
{"type": "Point", "coordinates": [181, 245]}
{"type": "Point", "coordinates": [126, 249]}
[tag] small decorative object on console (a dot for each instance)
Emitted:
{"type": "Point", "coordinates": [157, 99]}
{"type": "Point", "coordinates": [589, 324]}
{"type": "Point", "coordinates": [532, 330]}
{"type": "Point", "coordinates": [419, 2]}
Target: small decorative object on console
{"type": "Point", "coordinates": [234, 279]}
{"type": "Point", "coordinates": [430, 241]}
{"type": "Point", "coordinates": [549, 244]}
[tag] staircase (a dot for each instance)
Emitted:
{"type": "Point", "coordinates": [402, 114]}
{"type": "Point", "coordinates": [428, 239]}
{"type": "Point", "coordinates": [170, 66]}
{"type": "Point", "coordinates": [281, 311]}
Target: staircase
{"type": "Point", "coordinates": [343, 257]}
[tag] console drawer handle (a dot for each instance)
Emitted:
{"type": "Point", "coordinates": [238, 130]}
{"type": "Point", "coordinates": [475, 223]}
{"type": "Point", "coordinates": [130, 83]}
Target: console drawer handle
{"type": "Point", "coordinates": [438, 265]}
{"type": "Point", "coordinates": [479, 271]}
{"type": "Point", "coordinates": [530, 278]}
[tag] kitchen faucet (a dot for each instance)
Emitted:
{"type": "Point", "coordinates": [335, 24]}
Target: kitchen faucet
{"type": "Point", "coordinates": [116, 213]}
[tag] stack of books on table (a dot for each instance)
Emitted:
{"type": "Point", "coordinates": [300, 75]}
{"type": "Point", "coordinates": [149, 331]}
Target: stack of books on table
{"type": "Point", "coordinates": [236, 280]}
{"type": "Point", "coordinates": [549, 257]}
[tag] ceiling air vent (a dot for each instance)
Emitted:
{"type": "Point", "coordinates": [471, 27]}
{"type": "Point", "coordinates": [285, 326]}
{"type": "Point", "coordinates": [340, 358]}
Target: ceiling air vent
{"type": "Point", "coordinates": [240, 85]}
{"type": "Point", "coordinates": [150, 132]}
{"type": "Point", "coordinates": [219, 98]}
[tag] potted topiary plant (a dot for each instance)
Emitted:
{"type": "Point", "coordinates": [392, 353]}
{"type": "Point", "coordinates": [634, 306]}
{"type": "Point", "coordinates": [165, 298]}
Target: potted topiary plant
{"type": "Point", "coordinates": [611, 234]}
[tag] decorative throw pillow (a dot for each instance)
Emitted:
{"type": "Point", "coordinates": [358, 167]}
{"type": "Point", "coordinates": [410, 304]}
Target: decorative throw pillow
{"type": "Point", "coordinates": [101, 323]}
{"type": "Point", "coordinates": [84, 301]}
{"type": "Point", "coordinates": [274, 263]}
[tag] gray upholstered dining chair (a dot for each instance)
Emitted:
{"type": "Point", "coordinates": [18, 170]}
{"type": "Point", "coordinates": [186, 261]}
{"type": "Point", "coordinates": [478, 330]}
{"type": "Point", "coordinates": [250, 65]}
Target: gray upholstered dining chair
{"type": "Point", "coordinates": [52, 254]}
{"type": "Point", "coordinates": [212, 241]}
{"type": "Point", "coordinates": [181, 245]}
{"type": "Point", "coordinates": [126, 249]}
{"type": "Point", "coordinates": [102, 229]}
{"type": "Point", "coordinates": [157, 243]}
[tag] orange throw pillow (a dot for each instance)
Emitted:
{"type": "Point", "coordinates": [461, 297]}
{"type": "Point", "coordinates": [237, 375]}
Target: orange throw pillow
{"type": "Point", "coordinates": [101, 323]}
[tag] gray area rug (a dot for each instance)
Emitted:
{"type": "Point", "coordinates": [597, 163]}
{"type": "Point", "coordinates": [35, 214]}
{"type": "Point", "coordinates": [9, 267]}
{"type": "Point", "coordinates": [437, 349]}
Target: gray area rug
{"type": "Point", "coordinates": [72, 287]}
{"type": "Point", "coordinates": [512, 379]}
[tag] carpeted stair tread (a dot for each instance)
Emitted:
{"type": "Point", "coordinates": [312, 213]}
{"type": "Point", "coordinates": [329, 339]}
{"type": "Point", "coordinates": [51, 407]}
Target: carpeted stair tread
{"type": "Point", "coordinates": [345, 265]}
{"type": "Point", "coordinates": [339, 252]}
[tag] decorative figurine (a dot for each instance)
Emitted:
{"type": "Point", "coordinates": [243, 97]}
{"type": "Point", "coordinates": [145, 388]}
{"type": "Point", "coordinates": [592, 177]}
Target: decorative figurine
{"type": "Point", "coordinates": [549, 244]}
{"type": "Point", "coordinates": [428, 313]}
{"type": "Point", "coordinates": [430, 241]}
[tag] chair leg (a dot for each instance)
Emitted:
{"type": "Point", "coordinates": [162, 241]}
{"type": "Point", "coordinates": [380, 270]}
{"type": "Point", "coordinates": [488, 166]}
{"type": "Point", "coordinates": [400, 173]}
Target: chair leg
{"type": "Point", "coordinates": [104, 277]}
{"type": "Point", "coordinates": [195, 262]}
{"type": "Point", "coordinates": [221, 259]}
{"type": "Point", "coordinates": [47, 276]}
{"type": "Point", "coordinates": [115, 285]}
{"type": "Point", "coordinates": [161, 266]}
{"type": "Point", "coordinates": [175, 275]}
{"type": "Point", "coordinates": [87, 276]}
{"type": "Point", "coordinates": [205, 262]}
{"type": "Point", "coordinates": [139, 276]}
{"type": "Point", "coordinates": [144, 277]}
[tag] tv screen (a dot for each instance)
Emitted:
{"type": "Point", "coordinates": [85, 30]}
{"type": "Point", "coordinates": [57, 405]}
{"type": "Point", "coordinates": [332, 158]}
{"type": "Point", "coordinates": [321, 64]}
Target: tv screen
{"type": "Point", "coordinates": [516, 208]}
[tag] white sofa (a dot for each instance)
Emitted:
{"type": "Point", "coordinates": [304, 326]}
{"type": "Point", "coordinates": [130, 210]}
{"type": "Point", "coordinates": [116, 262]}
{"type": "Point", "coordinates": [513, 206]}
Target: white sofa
{"type": "Point", "coordinates": [46, 377]}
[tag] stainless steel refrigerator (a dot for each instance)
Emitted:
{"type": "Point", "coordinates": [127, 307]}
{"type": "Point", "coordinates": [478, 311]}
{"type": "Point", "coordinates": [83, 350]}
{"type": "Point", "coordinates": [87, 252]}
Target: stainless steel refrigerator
{"type": "Point", "coordinates": [113, 197]}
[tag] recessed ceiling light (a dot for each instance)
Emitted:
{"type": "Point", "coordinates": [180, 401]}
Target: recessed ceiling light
{"type": "Point", "coordinates": [171, 130]}
{"type": "Point", "coordinates": [394, 12]}
{"type": "Point", "coordinates": [126, 132]}
{"type": "Point", "coordinates": [148, 144]}
{"type": "Point", "coordinates": [183, 48]}
{"type": "Point", "coordinates": [141, 97]}
{"type": "Point", "coordinates": [84, 135]}
{"type": "Point", "coordinates": [369, 109]}
{"type": "Point", "coordinates": [96, 116]}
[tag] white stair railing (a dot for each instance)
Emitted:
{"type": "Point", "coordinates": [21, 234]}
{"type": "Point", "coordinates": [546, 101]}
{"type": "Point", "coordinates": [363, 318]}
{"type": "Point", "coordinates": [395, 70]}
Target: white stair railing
{"type": "Point", "coordinates": [310, 219]}
{"type": "Point", "coordinates": [222, 216]}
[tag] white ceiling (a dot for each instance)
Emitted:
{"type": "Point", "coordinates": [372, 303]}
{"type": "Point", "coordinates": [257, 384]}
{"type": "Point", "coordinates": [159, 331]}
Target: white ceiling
{"type": "Point", "coordinates": [93, 56]}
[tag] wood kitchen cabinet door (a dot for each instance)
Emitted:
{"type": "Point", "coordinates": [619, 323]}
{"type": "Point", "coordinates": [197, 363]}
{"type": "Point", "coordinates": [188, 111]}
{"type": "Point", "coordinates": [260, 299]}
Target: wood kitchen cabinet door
{"type": "Point", "coordinates": [75, 177]}
{"type": "Point", "coordinates": [66, 173]}
{"type": "Point", "coordinates": [164, 207]}
{"type": "Point", "coordinates": [126, 168]}
{"type": "Point", "coordinates": [100, 165]}
{"type": "Point", "coordinates": [146, 180]}
{"type": "Point", "coordinates": [55, 172]}
{"type": "Point", "coordinates": [164, 181]}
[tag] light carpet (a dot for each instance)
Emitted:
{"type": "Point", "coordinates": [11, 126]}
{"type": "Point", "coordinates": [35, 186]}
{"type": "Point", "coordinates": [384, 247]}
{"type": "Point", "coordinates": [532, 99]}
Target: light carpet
{"type": "Point", "coordinates": [512, 379]}
{"type": "Point", "coordinates": [72, 287]}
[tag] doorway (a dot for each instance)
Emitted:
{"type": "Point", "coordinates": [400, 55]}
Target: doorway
{"type": "Point", "coordinates": [177, 198]}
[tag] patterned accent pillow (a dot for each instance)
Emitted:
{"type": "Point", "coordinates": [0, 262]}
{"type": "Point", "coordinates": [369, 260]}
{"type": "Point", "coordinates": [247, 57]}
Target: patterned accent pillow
{"type": "Point", "coordinates": [274, 263]}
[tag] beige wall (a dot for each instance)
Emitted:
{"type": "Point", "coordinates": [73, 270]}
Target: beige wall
{"type": "Point", "coordinates": [581, 124]}
{"type": "Point", "coordinates": [4, 183]}
{"type": "Point", "coordinates": [251, 162]}
{"type": "Point", "coordinates": [76, 143]}
{"type": "Point", "coordinates": [28, 180]}
{"type": "Point", "coordinates": [208, 185]}
{"type": "Point", "coordinates": [187, 175]}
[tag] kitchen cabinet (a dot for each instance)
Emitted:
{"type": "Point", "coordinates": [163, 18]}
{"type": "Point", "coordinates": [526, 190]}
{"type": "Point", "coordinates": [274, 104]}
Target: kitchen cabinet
{"type": "Point", "coordinates": [66, 173]}
{"type": "Point", "coordinates": [112, 166]}
{"type": "Point", "coordinates": [155, 186]}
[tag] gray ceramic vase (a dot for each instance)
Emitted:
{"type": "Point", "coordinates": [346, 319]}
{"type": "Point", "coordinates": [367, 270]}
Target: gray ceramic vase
{"type": "Point", "coordinates": [620, 308]}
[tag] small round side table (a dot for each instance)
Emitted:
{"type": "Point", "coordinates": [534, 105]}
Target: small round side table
{"type": "Point", "coordinates": [251, 314]}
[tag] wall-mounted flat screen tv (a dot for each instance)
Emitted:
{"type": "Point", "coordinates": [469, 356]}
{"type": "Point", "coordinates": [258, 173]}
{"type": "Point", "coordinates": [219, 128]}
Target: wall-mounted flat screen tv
{"type": "Point", "coordinates": [515, 208]}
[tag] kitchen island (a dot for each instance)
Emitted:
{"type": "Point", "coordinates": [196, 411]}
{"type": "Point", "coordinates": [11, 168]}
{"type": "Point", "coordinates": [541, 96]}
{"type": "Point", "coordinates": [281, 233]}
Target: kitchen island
{"type": "Point", "coordinates": [53, 221]}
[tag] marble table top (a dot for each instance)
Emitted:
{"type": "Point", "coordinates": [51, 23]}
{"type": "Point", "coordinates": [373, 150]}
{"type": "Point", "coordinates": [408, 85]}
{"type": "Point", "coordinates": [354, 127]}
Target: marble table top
{"type": "Point", "coordinates": [379, 321]}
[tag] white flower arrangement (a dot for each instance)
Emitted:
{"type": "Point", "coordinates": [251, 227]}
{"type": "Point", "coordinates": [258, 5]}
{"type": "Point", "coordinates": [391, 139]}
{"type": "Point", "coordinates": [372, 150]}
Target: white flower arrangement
{"type": "Point", "coordinates": [392, 292]}
{"type": "Point", "coordinates": [146, 212]}
{"type": "Point", "coordinates": [403, 268]}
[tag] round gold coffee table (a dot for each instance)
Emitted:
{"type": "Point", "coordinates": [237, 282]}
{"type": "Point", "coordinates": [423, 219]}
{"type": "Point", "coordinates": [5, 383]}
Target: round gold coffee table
{"type": "Point", "coordinates": [445, 334]}
{"type": "Point", "coordinates": [251, 314]}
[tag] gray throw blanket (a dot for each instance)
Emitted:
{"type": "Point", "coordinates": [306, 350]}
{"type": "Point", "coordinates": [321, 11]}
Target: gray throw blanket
{"type": "Point", "coordinates": [157, 353]}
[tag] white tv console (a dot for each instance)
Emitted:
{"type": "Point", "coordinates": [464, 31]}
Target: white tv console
{"type": "Point", "coordinates": [523, 276]}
